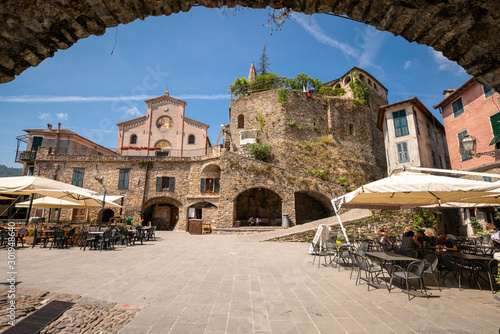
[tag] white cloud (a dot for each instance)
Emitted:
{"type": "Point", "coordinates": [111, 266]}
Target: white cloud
{"type": "Point", "coordinates": [85, 99]}
{"type": "Point", "coordinates": [62, 116]}
{"type": "Point", "coordinates": [133, 112]}
{"type": "Point", "coordinates": [444, 64]}
{"type": "Point", "coordinates": [311, 26]}
{"type": "Point", "coordinates": [407, 64]}
{"type": "Point", "coordinates": [370, 41]}
{"type": "Point", "coordinates": [44, 116]}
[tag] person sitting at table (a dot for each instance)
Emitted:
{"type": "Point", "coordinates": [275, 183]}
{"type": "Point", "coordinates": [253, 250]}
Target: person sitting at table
{"type": "Point", "coordinates": [409, 245]}
{"type": "Point", "coordinates": [383, 238]}
{"type": "Point", "coordinates": [408, 232]}
{"type": "Point", "coordinates": [447, 243]}
{"type": "Point", "coordinates": [431, 235]}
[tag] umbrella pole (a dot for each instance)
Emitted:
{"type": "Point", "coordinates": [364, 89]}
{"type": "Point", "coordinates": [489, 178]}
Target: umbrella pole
{"type": "Point", "coordinates": [50, 214]}
{"type": "Point", "coordinates": [340, 221]}
{"type": "Point", "coordinates": [102, 209]}
{"type": "Point", "coordinates": [58, 215]}
{"type": "Point", "coordinates": [29, 210]}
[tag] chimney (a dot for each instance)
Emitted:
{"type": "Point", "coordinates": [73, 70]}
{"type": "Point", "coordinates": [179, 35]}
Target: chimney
{"type": "Point", "coordinates": [49, 127]}
{"type": "Point", "coordinates": [58, 127]}
{"type": "Point", "coordinates": [448, 92]}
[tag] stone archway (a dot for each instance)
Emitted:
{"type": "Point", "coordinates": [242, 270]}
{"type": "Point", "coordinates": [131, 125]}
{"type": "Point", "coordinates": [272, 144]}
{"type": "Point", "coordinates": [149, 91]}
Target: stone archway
{"type": "Point", "coordinates": [462, 30]}
{"type": "Point", "coordinates": [310, 206]}
{"type": "Point", "coordinates": [162, 212]}
{"type": "Point", "coordinates": [258, 202]}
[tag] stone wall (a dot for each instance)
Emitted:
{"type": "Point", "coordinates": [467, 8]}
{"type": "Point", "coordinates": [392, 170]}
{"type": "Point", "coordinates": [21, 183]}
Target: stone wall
{"type": "Point", "coordinates": [34, 31]}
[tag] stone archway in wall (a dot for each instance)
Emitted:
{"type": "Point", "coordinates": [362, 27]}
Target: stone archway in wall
{"type": "Point", "coordinates": [311, 206]}
{"type": "Point", "coordinates": [162, 212]}
{"type": "Point", "coordinates": [106, 215]}
{"type": "Point", "coordinates": [258, 202]}
{"type": "Point", "coordinates": [463, 30]}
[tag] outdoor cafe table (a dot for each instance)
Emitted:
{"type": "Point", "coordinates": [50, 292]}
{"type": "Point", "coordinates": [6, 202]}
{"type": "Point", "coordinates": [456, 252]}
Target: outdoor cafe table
{"type": "Point", "coordinates": [472, 258]}
{"type": "Point", "coordinates": [339, 249]}
{"type": "Point", "coordinates": [387, 257]}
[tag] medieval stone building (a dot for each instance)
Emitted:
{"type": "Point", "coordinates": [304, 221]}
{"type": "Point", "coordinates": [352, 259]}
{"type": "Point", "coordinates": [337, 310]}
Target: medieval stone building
{"type": "Point", "coordinates": [321, 147]}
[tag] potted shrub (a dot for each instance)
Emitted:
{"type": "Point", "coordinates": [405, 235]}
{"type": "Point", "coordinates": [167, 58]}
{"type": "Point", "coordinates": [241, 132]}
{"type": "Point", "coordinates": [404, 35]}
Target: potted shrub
{"type": "Point", "coordinates": [30, 237]}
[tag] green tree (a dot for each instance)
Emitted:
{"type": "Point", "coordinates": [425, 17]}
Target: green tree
{"type": "Point", "coordinates": [10, 171]}
{"type": "Point", "coordinates": [263, 65]}
{"type": "Point", "coordinates": [301, 80]}
{"type": "Point", "coordinates": [239, 88]}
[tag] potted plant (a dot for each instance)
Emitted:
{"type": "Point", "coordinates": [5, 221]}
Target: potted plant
{"type": "Point", "coordinates": [124, 148]}
{"type": "Point", "coordinates": [137, 148]}
{"type": "Point", "coordinates": [30, 237]}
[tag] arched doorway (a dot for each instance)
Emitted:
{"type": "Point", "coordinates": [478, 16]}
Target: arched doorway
{"type": "Point", "coordinates": [162, 212]}
{"type": "Point", "coordinates": [258, 202]}
{"type": "Point", "coordinates": [310, 206]}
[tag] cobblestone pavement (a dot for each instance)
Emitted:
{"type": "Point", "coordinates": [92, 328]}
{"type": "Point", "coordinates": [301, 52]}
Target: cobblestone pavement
{"type": "Point", "coordinates": [220, 284]}
{"type": "Point", "coordinates": [86, 316]}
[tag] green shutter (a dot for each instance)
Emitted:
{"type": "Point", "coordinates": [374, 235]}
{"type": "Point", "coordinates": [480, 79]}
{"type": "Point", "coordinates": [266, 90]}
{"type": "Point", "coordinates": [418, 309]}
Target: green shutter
{"type": "Point", "coordinates": [202, 185]}
{"type": "Point", "coordinates": [158, 183]}
{"type": "Point", "coordinates": [216, 185]}
{"type": "Point", "coordinates": [171, 186]}
{"type": "Point", "coordinates": [495, 125]}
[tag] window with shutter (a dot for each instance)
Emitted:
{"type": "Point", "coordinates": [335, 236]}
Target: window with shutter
{"type": "Point", "coordinates": [77, 179]}
{"type": "Point", "coordinates": [216, 185]}
{"type": "Point", "coordinates": [400, 123]}
{"type": "Point", "coordinates": [458, 107]}
{"type": "Point", "coordinates": [202, 185]}
{"type": "Point", "coordinates": [488, 91]}
{"type": "Point", "coordinates": [403, 155]}
{"type": "Point", "coordinates": [172, 184]}
{"type": "Point", "coordinates": [123, 178]}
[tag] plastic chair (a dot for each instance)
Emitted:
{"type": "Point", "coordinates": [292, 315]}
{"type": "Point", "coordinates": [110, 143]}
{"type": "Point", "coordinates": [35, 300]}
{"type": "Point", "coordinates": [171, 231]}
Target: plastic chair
{"type": "Point", "coordinates": [86, 240]}
{"type": "Point", "coordinates": [68, 238]}
{"type": "Point", "coordinates": [414, 271]}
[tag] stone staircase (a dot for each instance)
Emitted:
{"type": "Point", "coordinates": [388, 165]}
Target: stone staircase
{"type": "Point", "coordinates": [351, 215]}
{"type": "Point", "coordinates": [245, 229]}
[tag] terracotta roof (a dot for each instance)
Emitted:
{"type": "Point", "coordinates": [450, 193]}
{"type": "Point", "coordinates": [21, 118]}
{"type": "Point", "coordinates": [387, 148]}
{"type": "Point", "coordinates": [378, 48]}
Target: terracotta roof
{"type": "Point", "coordinates": [131, 120]}
{"type": "Point", "coordinates": [69, 133]}
{"type": "Point", "coordinates": [413, 101]}
{"type": "Point", "coordinates": [456, 93]}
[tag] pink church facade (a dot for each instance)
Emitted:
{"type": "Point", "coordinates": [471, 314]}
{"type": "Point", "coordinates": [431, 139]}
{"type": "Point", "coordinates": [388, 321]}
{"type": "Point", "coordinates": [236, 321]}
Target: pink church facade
{"type": "Point", "coordinates": [164, 131]}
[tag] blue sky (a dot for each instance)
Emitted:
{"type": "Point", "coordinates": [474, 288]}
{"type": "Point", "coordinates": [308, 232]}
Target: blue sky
{"type": "Point", "coordinates": [199, 54]}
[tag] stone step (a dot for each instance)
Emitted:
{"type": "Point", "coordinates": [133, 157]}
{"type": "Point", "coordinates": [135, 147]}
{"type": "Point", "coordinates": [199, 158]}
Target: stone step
{"type": "Point", "coordinates": [245, 229]}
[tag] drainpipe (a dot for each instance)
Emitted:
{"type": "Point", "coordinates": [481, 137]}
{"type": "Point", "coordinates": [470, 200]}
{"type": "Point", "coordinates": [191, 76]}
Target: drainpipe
{"type": "Point", "coordinates": [145, 187]}
{"type": "Point", "coordinates": [56, 144]}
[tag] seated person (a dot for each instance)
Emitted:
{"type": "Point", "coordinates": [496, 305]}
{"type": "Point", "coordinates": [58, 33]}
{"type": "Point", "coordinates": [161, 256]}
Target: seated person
{"type": "Point", "coordinates": [408, 244]}
{"type": "Point", "coordinates": [251, 221]}
{"type": "Point", "coordinates": [421, 239]}
{"type": "Point", "coordinates": [447, 243]}
{"type": "Point", "coordinates": [408, 232]}
{"type": "Point", "coordinates": [431, 235]}
{"type": "Point", "coordinates": [383, 238]}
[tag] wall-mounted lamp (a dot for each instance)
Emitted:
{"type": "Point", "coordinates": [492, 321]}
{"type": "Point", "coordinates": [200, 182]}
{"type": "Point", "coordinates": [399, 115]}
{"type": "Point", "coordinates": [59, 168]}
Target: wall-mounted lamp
{"type": "Point", "coordinates": [95, 172]}
{"type": "Point", "coordinates": [468, 144]}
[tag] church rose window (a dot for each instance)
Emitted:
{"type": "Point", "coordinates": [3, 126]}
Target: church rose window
{"type": "Point", "coordinates": [164, 123]}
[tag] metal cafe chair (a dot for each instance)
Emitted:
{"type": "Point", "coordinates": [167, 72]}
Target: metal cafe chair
{"type": "Point", "coordinates": [414, 271]}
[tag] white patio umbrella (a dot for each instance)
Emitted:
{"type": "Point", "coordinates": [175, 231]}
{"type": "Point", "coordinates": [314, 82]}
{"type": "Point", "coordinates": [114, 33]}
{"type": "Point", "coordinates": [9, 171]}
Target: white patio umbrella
{"type": "Point", "coordinates": [24, 185]}
{"type": "Point", "coordinates": [78, 196]}
{"type": "Point", "coordinates": [417, 189]}
{"type": "Point", "coordinates": [411, 190]}
{"type": "Point", "coordinates": [54, 203]}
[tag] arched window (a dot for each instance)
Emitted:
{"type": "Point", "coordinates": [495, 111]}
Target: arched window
{"type": "Point", "coordinates": [133, 139]}
{"type": "Point", "coordinates": [347, 80]}
{"type": "Point", "coordinates": [191, 139]}
{"type": "Point", "coordinates": [370, 82]}
{"type": "Point", "coordinates": [362, 77]}
{"type": "Point", "coordinates": [337, 86]}
{"type": "Point", "coordinates": [241, 122]}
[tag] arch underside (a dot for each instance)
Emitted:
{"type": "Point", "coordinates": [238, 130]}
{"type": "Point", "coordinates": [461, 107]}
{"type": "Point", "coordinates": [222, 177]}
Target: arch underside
{"type": "Point", "coordinates": [465, 31]}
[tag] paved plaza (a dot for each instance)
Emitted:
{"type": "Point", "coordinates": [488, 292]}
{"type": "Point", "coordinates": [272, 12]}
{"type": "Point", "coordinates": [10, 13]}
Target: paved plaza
{"type": "Point", "coordinates": [186, 283]}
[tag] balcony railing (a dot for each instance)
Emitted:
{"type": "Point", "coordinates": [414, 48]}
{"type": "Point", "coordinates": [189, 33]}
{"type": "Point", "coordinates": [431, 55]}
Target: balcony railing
{"type": "Point", "coordinates": [25, 156]}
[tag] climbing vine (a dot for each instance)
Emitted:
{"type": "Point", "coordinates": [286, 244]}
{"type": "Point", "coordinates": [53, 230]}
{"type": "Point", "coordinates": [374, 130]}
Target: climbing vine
{"type": "Point", "coordinates": [359, 90]}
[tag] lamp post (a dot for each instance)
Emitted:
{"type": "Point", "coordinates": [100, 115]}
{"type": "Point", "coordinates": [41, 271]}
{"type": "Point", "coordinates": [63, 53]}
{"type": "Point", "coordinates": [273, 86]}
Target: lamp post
{"type": "Point", "coordinates": [96, 176]}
